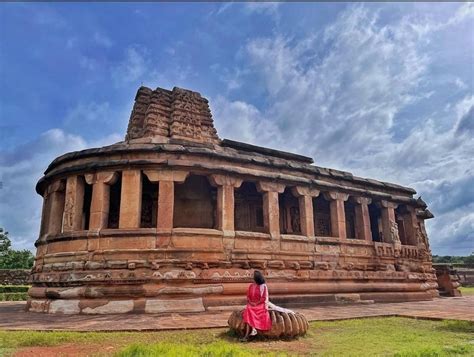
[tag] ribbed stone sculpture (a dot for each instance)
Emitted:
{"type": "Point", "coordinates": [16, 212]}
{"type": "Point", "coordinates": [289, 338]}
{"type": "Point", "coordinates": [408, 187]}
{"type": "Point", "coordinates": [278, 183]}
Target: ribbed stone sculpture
{"type": "Point", "coordinates": [283, 324]}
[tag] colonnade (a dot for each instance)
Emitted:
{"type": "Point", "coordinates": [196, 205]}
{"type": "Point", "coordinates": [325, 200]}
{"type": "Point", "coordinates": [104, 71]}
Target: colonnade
{"type": "Point", "coordinates": [64, 199]}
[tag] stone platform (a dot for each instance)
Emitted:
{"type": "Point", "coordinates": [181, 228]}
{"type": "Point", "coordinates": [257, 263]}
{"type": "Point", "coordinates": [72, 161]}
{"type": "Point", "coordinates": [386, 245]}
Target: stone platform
{"type": "Point", "coordinates": [14, 317]}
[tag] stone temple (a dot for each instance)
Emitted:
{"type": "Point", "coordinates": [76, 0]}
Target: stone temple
{"type": "Point", "coordinates": [175, 219]}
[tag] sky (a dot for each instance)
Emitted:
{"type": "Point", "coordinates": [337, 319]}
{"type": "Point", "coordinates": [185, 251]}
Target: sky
{"type": "Point", "coordinates": [381, 90]}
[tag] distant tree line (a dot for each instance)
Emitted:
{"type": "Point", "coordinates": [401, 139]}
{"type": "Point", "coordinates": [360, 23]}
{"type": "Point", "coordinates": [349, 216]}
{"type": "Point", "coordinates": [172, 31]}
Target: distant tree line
{"type": "Point", "coordinates": [11, 258]}
{"type": "Point", "coordinates": [450, 259]}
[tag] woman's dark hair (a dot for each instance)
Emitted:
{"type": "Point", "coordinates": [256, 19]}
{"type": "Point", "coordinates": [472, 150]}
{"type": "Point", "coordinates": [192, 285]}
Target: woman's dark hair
{"type": "Point", "coordinates": [258, 277]}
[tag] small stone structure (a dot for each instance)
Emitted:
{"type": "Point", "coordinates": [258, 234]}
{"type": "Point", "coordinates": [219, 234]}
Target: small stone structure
{"type": "Point", "coordinates": [283, 324]}
{"type": "Point", "coordinates": [174, 219]}
{"type": "Point", "coordinates": [448, 280]}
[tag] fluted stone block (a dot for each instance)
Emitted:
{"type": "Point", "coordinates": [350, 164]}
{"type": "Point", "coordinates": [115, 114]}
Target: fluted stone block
{"type": "Point", "coordinates": [283, 324]}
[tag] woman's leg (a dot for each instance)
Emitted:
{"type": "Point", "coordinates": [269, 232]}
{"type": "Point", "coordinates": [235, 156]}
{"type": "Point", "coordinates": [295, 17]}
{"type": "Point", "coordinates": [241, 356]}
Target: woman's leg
{"type": "Point", "coordinates": [248, 329]}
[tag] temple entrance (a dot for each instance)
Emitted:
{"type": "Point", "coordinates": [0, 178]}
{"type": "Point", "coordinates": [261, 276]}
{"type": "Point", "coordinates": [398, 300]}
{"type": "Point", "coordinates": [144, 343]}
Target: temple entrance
{"type": "Point", "coordinates": [195, 203]}
{"type": "Point", "coordinates": [290, 221]}
{"type": "Point", "coordinates": [149, 210]}
{"type": "Point", "coordinates": [248, 215]}
{"type": "Point", "coordinates": [321, 216]}
{"type": "Point", "coordinates": [375, 222]}
{"type": "Point", "coordinates": [114, 203]}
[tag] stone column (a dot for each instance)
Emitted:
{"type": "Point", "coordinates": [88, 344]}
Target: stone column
{"type": "Point", "coordinates": [44, 215]}
{"type": "Point", "coordinates": [389, 224]}
{"type": "Point", "coordinates": [55, 194]}
{"type": "Point", "coordinates": [74, 204]}
{"type": "Point", "coordinates": [271, 210]}
{"type": "Point", "coordinates": [362, 218]}
{"type": "Point", "coordinates": [100, 204]}
{"type": "Point", "coordinates": [411, 225]}
{"type": "Point", "coordinates": [130, 199]}
{"type": "Point", "coordinates": [305, 200]}
{"type": "Point", "coordinates": [225, 201]}
{"type": "Point", "coordinates": [338, 215]}
{"type": "Point", "coordinates": [166, 180]}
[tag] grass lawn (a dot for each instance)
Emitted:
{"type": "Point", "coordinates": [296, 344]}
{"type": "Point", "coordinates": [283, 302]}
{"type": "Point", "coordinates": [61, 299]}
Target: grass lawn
{"type": "Point", "coordinates": [360, 337]}
{"type": "Point", "coordinates": [467, 290]}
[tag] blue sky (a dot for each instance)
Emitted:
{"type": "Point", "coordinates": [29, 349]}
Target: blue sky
{"type": "Point", "coordinates": [382, 90]}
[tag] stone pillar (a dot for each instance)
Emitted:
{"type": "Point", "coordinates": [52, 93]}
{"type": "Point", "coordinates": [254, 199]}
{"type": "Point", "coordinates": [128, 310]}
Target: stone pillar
{"type": "Point", "coordinates": [305, 200]}
{"type": "Point", "coordinates": [100, 204]}
{"type": "Point", "coordinates": [271, 210]}
{"type": "Point", "coordinates": [411, 226]}
{"type": "Point", "coordinates": [225, 201]}
{"type": "Point", "coordinates": [74, 204]}
{"type": "Point", "coordinates": [166, 180]}
{"type": "Point", "coordinates": [44, 215]}
{"type": "Point", "coordinates": [130, 199]}
{"type": "Point", "coordinates": [55, 196]}
{"type": "Point", "coordinates": [389, 224]}
{"type": "Point", "coordinates": [338, 215]}
{"type": "Point", "coordinates": [362, 218]}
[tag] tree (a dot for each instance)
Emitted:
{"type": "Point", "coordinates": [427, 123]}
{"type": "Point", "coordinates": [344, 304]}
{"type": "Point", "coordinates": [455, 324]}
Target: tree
{"type": "Point", "coordinates": [11, 258]}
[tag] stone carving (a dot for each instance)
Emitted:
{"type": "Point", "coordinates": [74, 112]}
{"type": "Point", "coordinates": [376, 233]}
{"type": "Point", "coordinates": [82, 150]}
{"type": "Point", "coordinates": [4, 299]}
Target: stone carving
{"type": "Point", "coordinates": [179, 114]}
{"type": "Point", "coordinates": [283, 324]}
{"type": "Point", "coordinates": [394, 237]}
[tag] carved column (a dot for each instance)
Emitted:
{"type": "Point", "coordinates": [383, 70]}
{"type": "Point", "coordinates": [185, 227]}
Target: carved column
{"type": "Point", "coordinates": [305, 200]}
{"type": "Point", "coordinates": [73, 204]}
{"type": "Point", "coordinates": [130, 199]}
{"type": "Point", "coordinates": [362, 218]}
{"type": "Point", "coordinates": [55, 196]}
{"type": "Point", "coordinates": [338, 215]}
{"type": "Point", "coordinates": [271, 211]}
{"type": "Point", "coordinates": [100, 204]}
{"type": "Point", "coordinates": [166, 180]}
{"type": "Point", "coordinates": [389, 224]}
{"type": "Point", "coordinates": [225, 201]}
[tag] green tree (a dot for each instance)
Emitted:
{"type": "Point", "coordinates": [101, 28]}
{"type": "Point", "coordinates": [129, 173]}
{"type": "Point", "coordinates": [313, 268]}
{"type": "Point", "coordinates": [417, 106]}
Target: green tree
{"type": "Point", "coordinates": [11, 258]}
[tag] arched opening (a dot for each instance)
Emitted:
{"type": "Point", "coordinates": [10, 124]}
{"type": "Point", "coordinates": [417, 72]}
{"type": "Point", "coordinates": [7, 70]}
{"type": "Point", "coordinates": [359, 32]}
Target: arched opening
{"type": "Point", "coordinates": [149, 210]}
{"type": "Point", "coordinates": [290, 221]}
{"type": "Point", "coordinates": [86, 207]}
{"type": "Point", "coordinates": [248, 213]}
{"type": "Point", "coordinates": [114, 203]}
{"type": "Point", "coordinates": [349, 210]}
{"type": "Point", "coordinates": [321, 216]}
{"type": "Point", "coordinates": [375, 222]}
{"type": "Point", "coordinates": [195, 203]}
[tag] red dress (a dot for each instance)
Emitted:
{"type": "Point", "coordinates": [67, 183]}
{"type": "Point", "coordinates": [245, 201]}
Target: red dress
{"type": "Point", "coordinates": [256, 312]}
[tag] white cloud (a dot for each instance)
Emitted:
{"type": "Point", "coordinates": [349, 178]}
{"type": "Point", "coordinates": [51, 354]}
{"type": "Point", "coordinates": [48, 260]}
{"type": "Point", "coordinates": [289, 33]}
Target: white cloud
{"type": "Point", "coordinates": [20, 211]}
{"type": "Point", "coordinates": [339, 95]}
{"type": "Point", "coordinates": [133, 68]}
{"type": "Point", "coordinates": [102, 40]}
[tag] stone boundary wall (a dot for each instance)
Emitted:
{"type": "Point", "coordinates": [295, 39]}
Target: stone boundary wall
{"type": "Point", "coordinates": [14, 276]}
{"type": "Point", "coordinates": [465, 273]}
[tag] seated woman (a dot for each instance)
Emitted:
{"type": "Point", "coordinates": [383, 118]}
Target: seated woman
{"type": "Point", "coordinates": [256, 314]}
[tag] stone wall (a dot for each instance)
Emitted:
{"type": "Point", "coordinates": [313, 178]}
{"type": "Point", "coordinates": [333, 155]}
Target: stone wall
{"type": "Point", "coordinates": [465, 273]}
{"type": "Point", "coordinates": [14, 276]}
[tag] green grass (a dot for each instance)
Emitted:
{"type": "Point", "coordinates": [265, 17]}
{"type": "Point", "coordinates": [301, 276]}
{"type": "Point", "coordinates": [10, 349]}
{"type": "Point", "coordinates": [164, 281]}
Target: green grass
{"type": "Point", "coordinates": [13, 296]}
{"type": "Point", "coordinates": [397, 337]}
{"type": "Point", "coordinates": [14, 288]}
{"type": "Point", "coordinates": [467, 290]}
